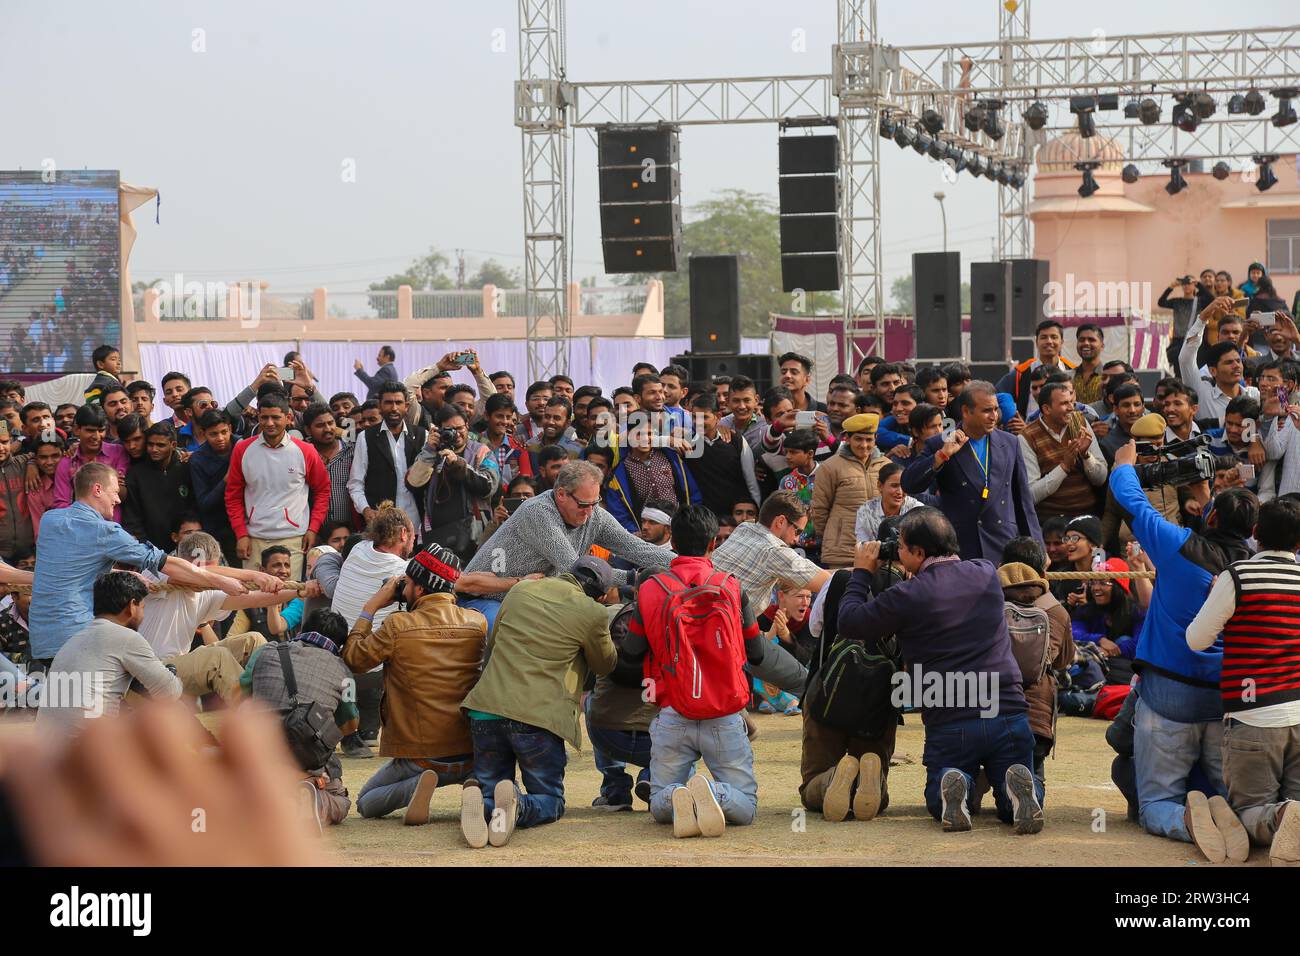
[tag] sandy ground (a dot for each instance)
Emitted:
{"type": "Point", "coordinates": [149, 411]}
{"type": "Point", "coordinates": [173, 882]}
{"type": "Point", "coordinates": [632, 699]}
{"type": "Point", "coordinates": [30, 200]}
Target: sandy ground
{"type": "Point", "coordinates": [1086, 822]}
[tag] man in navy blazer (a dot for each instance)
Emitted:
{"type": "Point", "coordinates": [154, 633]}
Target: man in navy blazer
{"type": "Point", "coordinates": [387, 372]}
{"type": "Point", "coordinates": [980, 476]}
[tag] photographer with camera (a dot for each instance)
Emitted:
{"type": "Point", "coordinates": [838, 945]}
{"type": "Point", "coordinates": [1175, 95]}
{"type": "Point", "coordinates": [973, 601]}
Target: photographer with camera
{"type": "Point", "coordinates": [459, 477]}
{"type": "Point", "coordinates": [1193, 300]}
{"type": "Point", "coordinates": [1179, 713]}
{"type": "Point", "coordinates": [1169, 499]}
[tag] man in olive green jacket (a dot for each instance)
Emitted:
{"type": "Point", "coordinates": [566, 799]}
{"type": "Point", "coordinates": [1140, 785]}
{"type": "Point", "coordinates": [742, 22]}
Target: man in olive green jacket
{"type": "Point", "coordinates": [548, 633]}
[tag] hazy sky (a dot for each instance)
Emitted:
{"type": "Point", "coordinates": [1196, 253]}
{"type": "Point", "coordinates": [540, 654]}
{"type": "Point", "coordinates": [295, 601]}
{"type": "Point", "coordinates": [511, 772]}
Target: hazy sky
{"type": "Point", "coordinates": [247, 140]}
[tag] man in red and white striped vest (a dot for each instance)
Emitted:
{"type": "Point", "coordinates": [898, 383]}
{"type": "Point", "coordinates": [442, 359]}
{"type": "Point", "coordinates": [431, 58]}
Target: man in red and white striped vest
{"type": "Point", "coordinates": [1256, 605]}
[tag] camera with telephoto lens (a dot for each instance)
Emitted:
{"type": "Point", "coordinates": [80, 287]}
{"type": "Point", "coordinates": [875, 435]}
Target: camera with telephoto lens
{"type": "Point", "coordinates": [1182, 463]}
{"type": "Point", "coordinates": [888, 534]}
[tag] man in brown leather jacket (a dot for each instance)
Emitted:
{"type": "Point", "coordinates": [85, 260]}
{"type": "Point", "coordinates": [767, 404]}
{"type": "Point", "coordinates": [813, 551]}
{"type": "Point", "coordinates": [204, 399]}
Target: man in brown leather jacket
{"type": "Point", "coordinates": [432, 655]}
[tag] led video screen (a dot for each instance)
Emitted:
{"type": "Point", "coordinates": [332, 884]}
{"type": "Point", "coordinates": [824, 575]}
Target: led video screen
{"type": "Point", "coordinates": [59, 269]}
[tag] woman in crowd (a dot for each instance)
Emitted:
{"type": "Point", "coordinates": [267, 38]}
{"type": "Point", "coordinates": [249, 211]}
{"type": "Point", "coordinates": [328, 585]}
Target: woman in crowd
{"type": "Point", "coordinates": [1083, 552]}
{"type": "Point", "coordinates": [1110, 618]}
{"type": "Point", "coordinates": [892, 501]}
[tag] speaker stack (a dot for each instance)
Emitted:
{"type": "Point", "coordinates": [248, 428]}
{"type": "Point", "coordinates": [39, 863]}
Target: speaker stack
{"type": "Point", "coordinates": [936, 305]}
{"type": "Point", "coordinates": [1029, 281]}
{"type": "Point", "coordinates": [640, 204]}
{"type": "Point", "coordinates": [990, 319]}
{"type": "Point", "coordinates": [715, 326]}
{"type": "Point", "coordinates": [809, 202]}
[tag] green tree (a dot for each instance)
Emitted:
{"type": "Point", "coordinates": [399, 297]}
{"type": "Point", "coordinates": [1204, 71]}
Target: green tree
{"type": "Point", "coordinates": [423, 274]}
{"type": "Point", "coordinates": [491, 272]}
{"type": "Point", "coordinates": [902, 299]}
{"type": "Point", "coordinates": [744, 224]}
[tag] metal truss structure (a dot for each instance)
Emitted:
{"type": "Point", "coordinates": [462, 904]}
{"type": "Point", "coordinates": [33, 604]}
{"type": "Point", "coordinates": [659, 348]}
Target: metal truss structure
{"type": "Point", "coordinates": [870, 80]}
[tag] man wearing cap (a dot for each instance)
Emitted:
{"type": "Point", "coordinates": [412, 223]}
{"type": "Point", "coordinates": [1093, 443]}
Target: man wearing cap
{"type": "Point", "coordinates": [845, 482]}
{"type": "Point", "coordinates": [980, 476]}
{"type": "Point", "coordinates": [548, 634]}
{"type": "Point", "coordinates": [1062, 462]}
{"type": "Point", "coordinates": [1167, 500]}
{"type": "Point", "coordinates": [432, 654]}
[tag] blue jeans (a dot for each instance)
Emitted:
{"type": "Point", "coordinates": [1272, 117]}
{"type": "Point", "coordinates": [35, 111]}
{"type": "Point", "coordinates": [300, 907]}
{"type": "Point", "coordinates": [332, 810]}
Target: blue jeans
{"type": "Point", "coordinates": [489, 605]}
{"type": "Point", "coordinates": [1166, 749]}
{"type": "Point", "coordinates": [392, 785]}
{"type": "Point", "coordinates": [723, 743]}
{"type": "Point", "coordinates": [613, 750]}
{"type": "Point", "coordinates": [500, 745]}
{"type": "Point", "coordinates": [993, 743]}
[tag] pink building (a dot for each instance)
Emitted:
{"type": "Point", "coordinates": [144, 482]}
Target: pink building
{"type": "Point", "coordinates": [1136, 238]}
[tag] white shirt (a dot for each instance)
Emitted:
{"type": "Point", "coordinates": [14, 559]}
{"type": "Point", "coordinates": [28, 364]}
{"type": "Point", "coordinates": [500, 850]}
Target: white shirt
{"type": "Point", "coordinates": [362, 574]}
{"type": "Point", "coordinates": [1211, 399]}
{"type": "Point", "coordinates": [171, 617]}
{"type": "Point", "coordinates": [1218, 608]}
{"type": "Point", "coordinates": [357, 476]}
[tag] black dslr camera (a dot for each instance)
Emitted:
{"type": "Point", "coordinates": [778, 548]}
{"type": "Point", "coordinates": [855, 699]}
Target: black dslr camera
{"type": "Point", "coordinates": [447, 438]}
{"type": "Point", "coordinates": [1182, 463]}
{"type": "Point", "coordinates": [889, 538]}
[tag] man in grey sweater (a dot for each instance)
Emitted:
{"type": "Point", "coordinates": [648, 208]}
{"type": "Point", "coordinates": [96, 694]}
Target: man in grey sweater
{"type": "Point", "coordinates": [95, 667]}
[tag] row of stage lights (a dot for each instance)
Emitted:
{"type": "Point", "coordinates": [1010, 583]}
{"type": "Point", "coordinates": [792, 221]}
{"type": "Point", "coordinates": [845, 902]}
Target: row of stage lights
{"type": "Point", "coordinates": [1265, 178]}
{"type": "Point", "coordinates": [1189, 109]}
{"type": "Point", "coordinates": [925, 139]}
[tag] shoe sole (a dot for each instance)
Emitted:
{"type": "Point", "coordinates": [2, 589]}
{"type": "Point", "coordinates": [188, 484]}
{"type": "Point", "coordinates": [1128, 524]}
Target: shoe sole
{"type": "Point", "coordinates": [506, 799]}
{"type": "Point", "coordinates": [1285, 849]}
{"type": "Point", "coordinates": [955, 816]}
{"type": "Point", "coordinates": [684, 823]}
{"type": "Point", "coordinates": [708, 812]}
{"type": "Point", "coordinates": [1236, 842]}
{"type": "Point", "coordinates": [613, 807]}
{"type": "Point", "coordinates": [472, 825]}
{"type": "Point", "coordinates": [835, 802]}
{"type": "Point", "coordinates": [642, 791]}
{"type": "Point", "coordinates": [1026, 812]}
{"type": "Point", "coordinates": [1205, 834]}
{"type": "Point", "coordinates": [866, 802]}
{"type": "Point", "coordinates": [417, 811]}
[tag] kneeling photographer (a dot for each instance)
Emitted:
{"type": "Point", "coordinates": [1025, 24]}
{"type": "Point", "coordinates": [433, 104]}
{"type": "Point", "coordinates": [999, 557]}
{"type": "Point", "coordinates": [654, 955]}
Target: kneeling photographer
{"type": "Point", "coordinates": [959, 667]}
{"type": "Point", "coordinates": [459, 477]}
{"type": "Point", "coordinates": [1179, 712]}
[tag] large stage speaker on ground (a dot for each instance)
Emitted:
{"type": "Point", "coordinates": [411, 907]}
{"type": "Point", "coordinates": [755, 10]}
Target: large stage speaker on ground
{"type": "Point", "coordinates": [640, 206]}
{"type": "Point", "coordinates": [936, 288]}
{"type": "Point", "coordinates": [1029, 279]}
{"type": "Point", "coordinates": [809, 191]}
{"type": "Point", "coordinates": [704, 368]}
{"type": "Point", "coordinates": [715, 304]}
{"type": "Point", "coordinates": [990, 315]}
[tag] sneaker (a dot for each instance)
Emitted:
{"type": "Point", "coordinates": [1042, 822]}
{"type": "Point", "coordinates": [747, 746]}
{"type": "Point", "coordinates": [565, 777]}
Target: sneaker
{"type": "Point", "coordinates": [371, 739]}
{"type": "Point", "coordinates": [1285, 848]}
{"type": "Point", "coordinates": [1200, 826]}
{"type": "Point", "coordinates": [953, 790]}
{"type": "Point", "coordinates": [354, 746]}
{"type": "Point", "coordinates": [708, 812]}
{"type": "Point", "coordinates": [417, 811]}
{"type": "Point", "coordinates": [309, 806]}
{"type": "Point", "coordinates": [505, 814]}
{"type": "Point", "coordinates": [835, 802]}
{"type": "Point", "coordinates": [642, 788]}
{"type": "Point", "coordinates": [1026, 811]}
{"type": "Point", "coordinates": [684, 822]}
{"type": "Point", "coordinates": [1236, 842]}
{"type": "Point", "coordinates": [615, 805]}
{"type": "Point", "coordinates": [866, 802]}
{"type": "Point", "coordinates": [473, 826]}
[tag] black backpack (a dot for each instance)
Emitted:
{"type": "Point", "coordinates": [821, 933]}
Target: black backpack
{"type": "Point", "coordinates": [852, 690]}
{"type": "Point", "coordinates": [309, 727]}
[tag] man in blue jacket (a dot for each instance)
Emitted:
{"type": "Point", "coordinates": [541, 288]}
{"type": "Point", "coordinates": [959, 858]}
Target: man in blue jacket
{"type": "Point", "coordinates": [645, 468]}
{"type": "Point", "coordinates": [980, 476]}
{"type": "Point", "coordinates": [958, 666]}
{"type": "Point", "coordinates": [387, 372]}
{"type": "Point", "coordinates": [1179, 715]}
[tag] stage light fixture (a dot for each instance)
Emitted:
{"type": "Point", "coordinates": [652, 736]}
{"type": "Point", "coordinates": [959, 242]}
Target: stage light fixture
{"type": "Point", "coordinates": [1131, 109]}
{"type": "Point", "coordinates": [1082, 107]}
{"type": "Point", "coordinates": [1004, 176]}
{"type": "Point", "coordinates": [1285, 114]}
{"type": "Point", "coordinates": [1149, 112]}
{"type": "Point", "coordinates": [1089, 182]}
{"type": "Point", "coordinates": [1204, 105]}
{"type": "Point", "coordinates": [888, 126]}
{"type": "Point", "coordinates": [1236, 104]}
{"type": "Point", "coordinates": [904, 136]}
{"type": "Point", "coordinates": [1017, 180]}
{"type": "Point", "coordinates": [974, 119]}
{"type": "Point", "coordinates": [1221, 170]}
{"type": "Point", "coordinates": [976, 167]}
{"type": "Point", "coordinates": [938, 149]}
{"type": "Point", "coordinates": [1255, 102]}
{"type": "Point", "coordinates": [1130, 174]}
{"type": "Point", "coordinates": [1036, 116]}
{"type": "Point", "coordinates": [1266, 178]}
{"type": "Point", "coordinates": [1176, 182]}
{"type": "Point", "coordinates": [932, 120]}
{"type": "Point", "coordinates": [922, 143]}
{"type": "Point", "coordinates": [991, 124]}
{"type": "Point", "coordinates": [959, 161]}
{"type": "Point", "coordinates": [991, 171]}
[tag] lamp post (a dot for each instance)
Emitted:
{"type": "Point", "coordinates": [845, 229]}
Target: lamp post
{"type": "Point", "coordinates": [939, 196]}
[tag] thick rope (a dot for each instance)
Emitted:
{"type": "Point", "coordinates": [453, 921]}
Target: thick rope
{"type": "Point", "coordinates": [159, 587]}
{"type": "Point", "coordinates": [1097, 575]}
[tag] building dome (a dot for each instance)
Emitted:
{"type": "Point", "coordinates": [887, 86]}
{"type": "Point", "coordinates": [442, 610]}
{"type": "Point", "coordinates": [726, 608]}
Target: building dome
{"type": "Point", "coordinates": [1060, 154]}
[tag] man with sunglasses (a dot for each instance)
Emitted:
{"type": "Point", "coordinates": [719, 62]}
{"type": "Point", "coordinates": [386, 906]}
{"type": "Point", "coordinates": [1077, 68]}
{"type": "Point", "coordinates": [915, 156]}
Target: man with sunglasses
{"type": "Point", "coordinates": [547, 534]}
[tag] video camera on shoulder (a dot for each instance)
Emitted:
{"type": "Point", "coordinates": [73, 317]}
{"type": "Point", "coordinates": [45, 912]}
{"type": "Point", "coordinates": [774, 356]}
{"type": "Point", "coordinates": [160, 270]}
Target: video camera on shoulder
{"type": "Point", "coordinates": [1182, 462]}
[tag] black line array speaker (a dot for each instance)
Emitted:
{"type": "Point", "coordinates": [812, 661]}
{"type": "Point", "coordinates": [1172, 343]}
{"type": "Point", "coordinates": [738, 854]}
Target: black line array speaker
{"type": "Point", "coordinates": [704, 368]}
{"type": "Point", "coordinates": [936, 289]}
{"type": "Point", "coordinates": [715, 304]}
{"type": "Point", "coordinates": [990, 315]}
{"type": "Point", "coordinates": [640, 206]}
{"type": "Point", "coordinates": [809, 190]}
{"type": "Point", "coordinates": [1029, 279]}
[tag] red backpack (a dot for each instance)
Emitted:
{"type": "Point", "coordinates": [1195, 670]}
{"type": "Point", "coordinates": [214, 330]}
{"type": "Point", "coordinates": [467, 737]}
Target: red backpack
{"type": "Point", "coordinates": [697, 658]}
